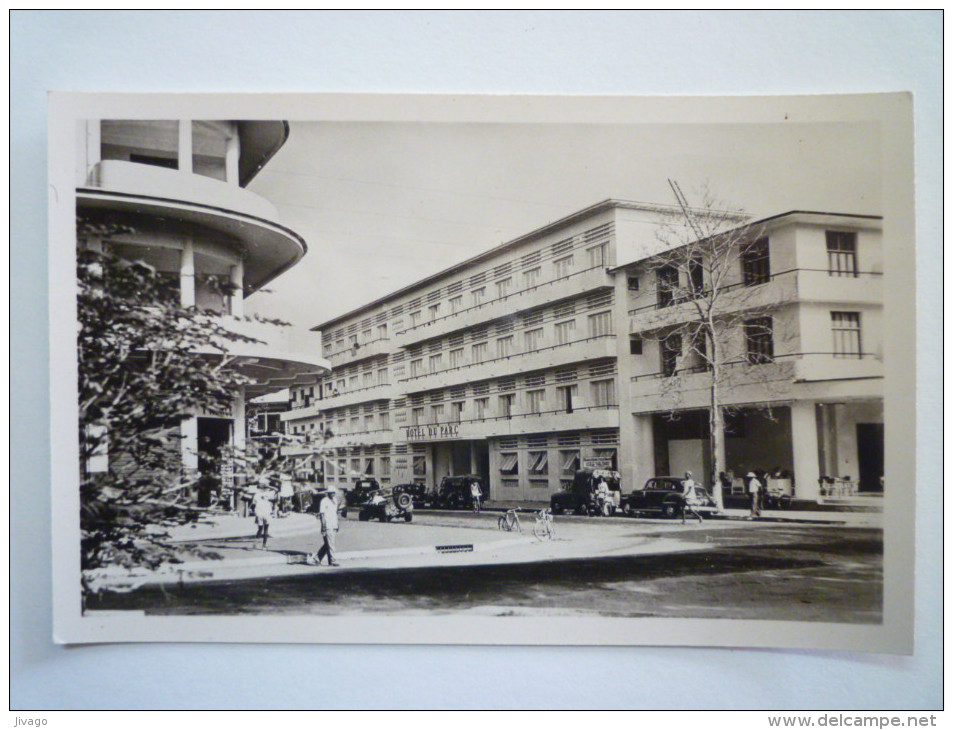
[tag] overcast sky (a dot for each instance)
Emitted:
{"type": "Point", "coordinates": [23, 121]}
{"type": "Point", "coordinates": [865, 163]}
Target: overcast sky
{"type": "Point", "coordinates": [382, 205]}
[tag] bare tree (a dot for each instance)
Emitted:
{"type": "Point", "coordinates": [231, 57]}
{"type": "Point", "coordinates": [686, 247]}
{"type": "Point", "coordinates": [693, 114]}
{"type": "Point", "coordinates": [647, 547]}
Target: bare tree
{"type": "Point", "coordinates": [714, 324]}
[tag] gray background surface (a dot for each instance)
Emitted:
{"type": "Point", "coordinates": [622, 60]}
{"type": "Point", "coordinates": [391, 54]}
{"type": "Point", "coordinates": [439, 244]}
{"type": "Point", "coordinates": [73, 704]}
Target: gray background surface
{"type": "Point", "coordinates": [485, 52]}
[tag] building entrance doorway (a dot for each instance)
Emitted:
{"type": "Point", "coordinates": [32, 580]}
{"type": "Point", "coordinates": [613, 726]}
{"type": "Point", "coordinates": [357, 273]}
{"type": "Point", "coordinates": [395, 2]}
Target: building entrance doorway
{"type": "Point", "coordinates": [214, 434]}
{"type": "Point", "coordinates": [870, 456]}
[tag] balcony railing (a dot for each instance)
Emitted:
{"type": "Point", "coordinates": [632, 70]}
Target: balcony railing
{"type": "Point", "coordinates": [340, 399]}
{"type": "Point", "coordinates": [835, 278]}
{"type": "Point", "coordinates": [760, 360]}
{"type": "Point", "coordinates": [549, 356]}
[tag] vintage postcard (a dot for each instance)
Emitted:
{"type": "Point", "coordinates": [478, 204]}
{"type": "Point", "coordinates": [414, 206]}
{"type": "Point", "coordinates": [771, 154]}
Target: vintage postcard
{"type": "Point", "coordinates": [483, 369]}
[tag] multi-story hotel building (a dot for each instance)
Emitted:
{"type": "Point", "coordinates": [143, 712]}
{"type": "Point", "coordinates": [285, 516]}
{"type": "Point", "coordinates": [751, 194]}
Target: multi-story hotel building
{"type": "Point", "coordinates": [177, 190]}
{"type": "Point", "coordinates": [521, 364]}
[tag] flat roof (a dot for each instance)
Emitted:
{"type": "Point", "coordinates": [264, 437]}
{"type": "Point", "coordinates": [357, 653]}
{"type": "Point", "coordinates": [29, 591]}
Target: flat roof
{"type": "Point", "coordinates": [592, 210]}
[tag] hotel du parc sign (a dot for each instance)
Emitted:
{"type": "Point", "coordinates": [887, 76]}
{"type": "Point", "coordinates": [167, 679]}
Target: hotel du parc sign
{"type": "Point", "coordinates": [437, 431]}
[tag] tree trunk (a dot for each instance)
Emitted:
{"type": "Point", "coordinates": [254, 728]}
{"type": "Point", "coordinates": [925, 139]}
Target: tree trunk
{"type": "Point", "coordinates": [716, 432]}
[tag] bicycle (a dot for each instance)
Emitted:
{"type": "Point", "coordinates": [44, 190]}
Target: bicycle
{"type": "Point", "coordinates": [510, 521]}
{"type": "Point", "coordinates": [544, 526]}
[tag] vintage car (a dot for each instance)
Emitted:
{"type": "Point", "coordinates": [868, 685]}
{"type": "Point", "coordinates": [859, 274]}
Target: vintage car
{"type": "Point", "coordinates": [361, 491]}
{"type": "Point", "coordinates": [583, 495]}
{"type": "Point", "coordinates": [455, 492]}
{"type": "Point", "coordinates": [417, 492]}
{"type": "Point", "coordinates": [663, 495]}
{"type": "Point", "coordinates": [386, 505]}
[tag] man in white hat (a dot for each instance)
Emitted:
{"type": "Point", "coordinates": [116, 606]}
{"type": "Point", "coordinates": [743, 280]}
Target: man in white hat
{"type": "Point", "coordinates": [754, 491]}
{"type": "Point", "coordinates": [328, 514]}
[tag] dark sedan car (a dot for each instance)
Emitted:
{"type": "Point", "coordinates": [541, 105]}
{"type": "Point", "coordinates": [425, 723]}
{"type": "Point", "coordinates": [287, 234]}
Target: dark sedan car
{"type": "Point", "coordinates": [663, 495]}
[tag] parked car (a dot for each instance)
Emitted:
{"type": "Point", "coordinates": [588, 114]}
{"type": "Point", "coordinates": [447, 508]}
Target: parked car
{"type": "Point", "coordinates": [388, 504]}
{"type": "Point", "coordinates": [455, 492]}
{"type": "Point", "coordinates": [417, 492]}
{"type": "Point", "coordinates": [663, 495]}
{"type": "Point", "coordinates": [583, 496]}
{"type": "Point", "coordinates": [362, 491]}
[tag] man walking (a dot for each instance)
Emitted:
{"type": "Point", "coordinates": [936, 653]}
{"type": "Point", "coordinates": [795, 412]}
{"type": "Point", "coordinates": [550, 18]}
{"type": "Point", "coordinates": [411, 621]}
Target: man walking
{"type": "Point", "coordinates": [264, 507]}
{"type": "Point", "coordinates": [690, 497]}
{"type": "Point", "coordinates": [328, 513]}
{"type": "Point", "coordinates": [754, 490]}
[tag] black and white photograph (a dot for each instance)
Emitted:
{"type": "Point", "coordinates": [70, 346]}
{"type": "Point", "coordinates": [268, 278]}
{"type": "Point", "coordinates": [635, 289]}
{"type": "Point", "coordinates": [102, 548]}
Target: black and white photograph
{"type": "Point", "coordinates": [555, 370]}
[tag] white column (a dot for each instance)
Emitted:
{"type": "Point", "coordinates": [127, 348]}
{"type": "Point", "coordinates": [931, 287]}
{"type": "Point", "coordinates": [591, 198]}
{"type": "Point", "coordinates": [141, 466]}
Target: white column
{"type": "Point", "coordinates": [236, 302]}
{"type": "Point", "coordinates": [187, 275]}
{"type": "Point", "coordinates": [804, 442]}
{"type": "Point", "coordinates": [239, 425]}
{"type": "Point", "coordinates": [190, 443]}
{"type": "Point", "coordinates": [231, 156]}
{"type": "Point", "coordinates": [638, 446]}
{"type": "Point", "coordinates": [94, 148]}
{"type": "Point", "coordinates": [185, 145]}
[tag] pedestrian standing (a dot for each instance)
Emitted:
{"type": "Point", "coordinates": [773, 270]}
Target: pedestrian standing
{"type": "Point", "coordinates": [286, 492]}
{"type": "Point", "coordinates": [328, 514]}
{"type": "Point", "coordinates": [754, 491]}
{"type": "Point", "coordinates": [476, 494]}
{"type": "Point", "coordinates": [264, 505]}
{"type": "Point", "coordinates": [690, 497]}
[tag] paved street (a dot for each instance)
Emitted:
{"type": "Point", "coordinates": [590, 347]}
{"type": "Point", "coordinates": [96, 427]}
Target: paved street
{"type": "Point", "coordinates": [614, 567]}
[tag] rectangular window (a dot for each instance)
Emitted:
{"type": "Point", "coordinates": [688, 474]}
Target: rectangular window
{"type": "Point", "coordinates": [456, 411]}
{"type": "Point", "coordinates": [355, 424]}
{"type": "Point", "coordinates": [436, 413]}
{"type": "Point", "coordinates": [569, 462]}
{"type": "Point", "coordinates": [369, 422]}
{"type": "Point", "coordinates": [531, 277]}
{"type": "Point", "coordinates": [503, 287]}
{"type": "Point", "coordinates": [368, 379]}
{"type": "Point", "coordinates": [369, 465]}
{"type": "Point", "coordinates": [479, 352]}
{"type": "Point", "coordinates": [534, 400]}
{"type": "Point", "coordinates": [414, 319]}
{"type": "Point", "coordinates": [420, 466]}
{"type": "Point", "coordinates": [603, 392]}
{"type": "Point", "coordinates": [385, 466]}
{"type": "Point", "coordinates": [670, 348]}
{"type": "Point", "coordinates": [436, 363]}
{"type": "Point", "coordinates": [635, 345]}
{"type": "Point", "coordinates": [696, 277]}
{"type": "Point", "coordinates": [456, 357]}
{"type": "Point", "coordinates": [417, 416]}
{"type": "Point", "coordinates": [352, 383]}
{"type": "Point", "coordinates": [506, 405]}
{"type": "Point", "coordinates": [434, 310]}
{"type": "Point", "coordinates": [562, 267]}
{"type": "Point", "coordinates": [564, 331]}
{"type": "Point", "coordinates": [366, 335]}
{"type": "Point", "coordinates": [416, 368]}
{"type": "Point", "coordinates": [146, 141]}
{"type": "Point", "coordinates": [633, 283]}
{"type": "Point", "coordinates": [480, 407]}
{"type": "Point", "coordinates": [479, 295]}
{"type": "Point", "coordinates": [382, 331]}
{"type": "Point", "coordinates": [534, 339]}
{"type": "Point", "coordinates": [759, 340]}
{"type": "Point", "coordinates": [756, 262]}
{"type": "Point", "coordinates": [385, 421]}
{"type": "Point", "coordinates": [666, 279]}
{"type": "Point", "coordinates": [509, 463]}
{"type": "Point", "coordinates": [841, 253]}
{"type": "Point", "coordinates": [538, 463]}
{"type": "Point", "coordinates": [598, 255]}
{"type": "Point", "coordinates": [456, 304]}
{"type": "Point", "coordinates": [356, 466]}
{"type": "Point", "coordinates": [846, 330]}
{"type": "Point", "coordinates": [382, 376]}
{"type": "Point", "coordinates": [504, 346]}
{"type": "Point", "coordinates": [566, 395]}
{"type": "Point", "coordinates": [600, 324]}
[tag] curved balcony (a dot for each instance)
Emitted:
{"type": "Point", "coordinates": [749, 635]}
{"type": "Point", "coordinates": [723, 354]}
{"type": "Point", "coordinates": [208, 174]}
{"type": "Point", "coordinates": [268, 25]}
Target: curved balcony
{"type": "Point", "coordinates": [132, 190]}
{"type": "Point", "coordinates": [279, 357]}
{"type": "Point", "coordinates": [589, 348]}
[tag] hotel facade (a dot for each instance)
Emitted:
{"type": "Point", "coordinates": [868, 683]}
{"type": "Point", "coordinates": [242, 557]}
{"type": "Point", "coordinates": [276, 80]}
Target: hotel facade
{"type": "Point", "coordinates": [534, 359]}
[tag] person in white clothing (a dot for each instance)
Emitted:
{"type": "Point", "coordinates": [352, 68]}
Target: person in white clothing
{"type": "Point", "coordinates": [264, 505]}
{"type": "Point", "coordinates": [328, 514]}
{"type": "Point", "coordinates": [691, 497]}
